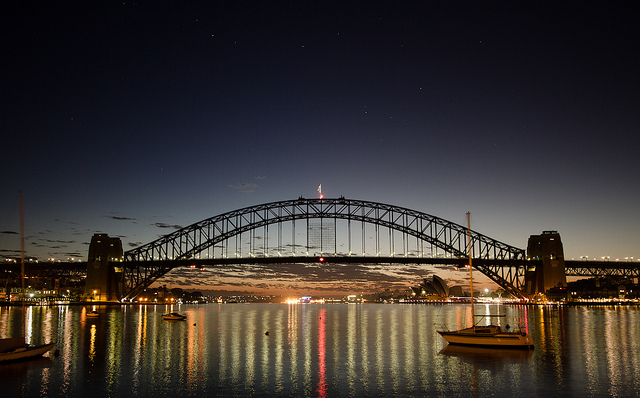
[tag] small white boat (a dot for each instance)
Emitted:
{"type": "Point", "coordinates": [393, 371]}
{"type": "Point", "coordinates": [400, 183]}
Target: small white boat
{"type": "Point", "coordinates": [484, 336]}
{"type": "Point", "coordinates": [174, 316]}
{"type": "Point", "coordinates": [487, 336]}
{"type": "Point", "coordinates": [13, 349]}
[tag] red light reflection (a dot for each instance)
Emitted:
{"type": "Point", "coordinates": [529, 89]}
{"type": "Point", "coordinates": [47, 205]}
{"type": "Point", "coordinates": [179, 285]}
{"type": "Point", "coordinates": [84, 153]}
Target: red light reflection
{"type": "Point", "coordinates": [322, 352]}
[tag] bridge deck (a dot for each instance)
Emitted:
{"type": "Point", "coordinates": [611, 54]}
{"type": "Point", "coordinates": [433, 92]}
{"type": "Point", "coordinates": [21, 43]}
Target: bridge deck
{"type": "Point", "coordinates": [572, 267]}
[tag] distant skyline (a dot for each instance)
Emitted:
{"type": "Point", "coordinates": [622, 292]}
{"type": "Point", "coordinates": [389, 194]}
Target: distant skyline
{"type": "Point", "coordinates": [134, 119]}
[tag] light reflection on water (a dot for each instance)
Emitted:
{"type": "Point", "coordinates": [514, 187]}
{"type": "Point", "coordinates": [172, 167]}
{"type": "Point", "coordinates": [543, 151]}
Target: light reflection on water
{"type": "Point", "coordinates": [321, 351]}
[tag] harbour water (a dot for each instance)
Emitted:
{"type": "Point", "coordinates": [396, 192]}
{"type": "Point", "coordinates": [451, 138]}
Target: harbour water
{"type": "Point", "coordinates": [316, 350]}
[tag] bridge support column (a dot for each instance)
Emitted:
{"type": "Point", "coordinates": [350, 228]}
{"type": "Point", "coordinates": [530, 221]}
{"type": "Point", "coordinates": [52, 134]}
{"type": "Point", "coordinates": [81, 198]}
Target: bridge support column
{"type": "Point", "coordinates": [548, 248]}
{"type": "Point", "coordinates": [104, 280]}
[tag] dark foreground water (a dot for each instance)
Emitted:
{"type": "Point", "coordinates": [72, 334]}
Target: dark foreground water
{"type": "Point", "coordinates": [320, 351]}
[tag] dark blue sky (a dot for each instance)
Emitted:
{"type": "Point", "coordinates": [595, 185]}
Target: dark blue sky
{"type": "Point", "coordinates": [131, 117]}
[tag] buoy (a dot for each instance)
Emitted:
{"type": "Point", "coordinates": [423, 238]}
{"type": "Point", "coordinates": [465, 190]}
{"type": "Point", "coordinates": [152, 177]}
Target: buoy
{"type": "Point", "coordinates": [266, 333]}
{"type": "Point", "coordinates": [56, 353]}
{"type": "Point", "coordinates": [194, 324]}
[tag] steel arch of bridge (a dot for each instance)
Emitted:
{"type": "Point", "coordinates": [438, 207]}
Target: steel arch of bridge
{"type": "Point", "coordinates": [502, 263]}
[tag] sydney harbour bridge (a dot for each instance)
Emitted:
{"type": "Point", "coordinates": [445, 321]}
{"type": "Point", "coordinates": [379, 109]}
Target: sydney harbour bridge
{"type": "Point", "coordinates": [336, 231]}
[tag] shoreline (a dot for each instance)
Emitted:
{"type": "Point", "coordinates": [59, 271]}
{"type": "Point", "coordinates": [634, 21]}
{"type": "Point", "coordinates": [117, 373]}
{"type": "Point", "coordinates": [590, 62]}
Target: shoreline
{"type": "Point", "coordinates": [425, 302]}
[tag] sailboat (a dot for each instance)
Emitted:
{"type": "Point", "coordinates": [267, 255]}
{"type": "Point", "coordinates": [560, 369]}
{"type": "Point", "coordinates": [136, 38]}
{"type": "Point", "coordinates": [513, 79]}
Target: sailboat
{"type": "Point", "coordinates": [15, 348]}
{"type": "Point", "coordinates": [489, 335]}
{"type": "Point", "coordinates": [12, 349]}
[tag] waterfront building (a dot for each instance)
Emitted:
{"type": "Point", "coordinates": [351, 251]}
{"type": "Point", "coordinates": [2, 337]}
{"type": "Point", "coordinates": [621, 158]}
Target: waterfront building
{"type": "Point", "coordinates": [434, 289]}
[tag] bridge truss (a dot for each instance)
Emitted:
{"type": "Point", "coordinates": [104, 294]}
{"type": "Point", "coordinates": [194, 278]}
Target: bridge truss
{"type": "Point", "coordinates": [67, 269]}
{"type": "Point", "coordinates": [336, 229]}
{"type": "Point", "coordinates": [595, 268]}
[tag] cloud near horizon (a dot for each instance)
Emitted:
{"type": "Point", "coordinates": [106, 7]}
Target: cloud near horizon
{"type": "Point", "coordinates": [303, 278]}
{"type": "Point", "coordinates": [163, 225]}
{"type": "Point", "coordinates": [119, 218]}
{"type": "Point", "coordinates": [247, 187]}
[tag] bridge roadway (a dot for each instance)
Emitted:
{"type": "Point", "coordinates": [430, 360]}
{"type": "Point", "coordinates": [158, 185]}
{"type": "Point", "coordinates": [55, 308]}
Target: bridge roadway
{"type": "Point", "coordinates": [585, 268]}
{"type": "Point", "coordinates": [68, 269]}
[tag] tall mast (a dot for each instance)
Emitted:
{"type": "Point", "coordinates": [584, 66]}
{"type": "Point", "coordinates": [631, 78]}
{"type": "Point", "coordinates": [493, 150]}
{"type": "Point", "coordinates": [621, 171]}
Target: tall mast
{"type": "Point", "coordinates": [22, 260]}
{"type": "Point", "coordinates": [473, 314]}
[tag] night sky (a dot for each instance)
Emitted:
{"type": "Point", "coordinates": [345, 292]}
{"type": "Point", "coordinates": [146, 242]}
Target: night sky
{"type": "Point", "coordinates": [137, 118]}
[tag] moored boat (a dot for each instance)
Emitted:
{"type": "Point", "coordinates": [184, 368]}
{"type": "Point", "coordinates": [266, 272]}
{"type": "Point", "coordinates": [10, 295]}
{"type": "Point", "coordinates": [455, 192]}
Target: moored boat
{"type": "Point", "coordinates": [174, 316]}
{"type": "Point", "coordinates": [93, 314]}
{"type": "Point", "coordinates": [13, 349]}
{"type": "Point", "coordinates": [488, 335]}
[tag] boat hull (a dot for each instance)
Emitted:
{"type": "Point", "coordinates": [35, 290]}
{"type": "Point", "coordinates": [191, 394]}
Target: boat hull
{"type": "Point", "coordinates": [26, 352]}
{"type": "Point", "coordinates": [509, 340]}
{"type": "Point", "coordinates": [174, 317]}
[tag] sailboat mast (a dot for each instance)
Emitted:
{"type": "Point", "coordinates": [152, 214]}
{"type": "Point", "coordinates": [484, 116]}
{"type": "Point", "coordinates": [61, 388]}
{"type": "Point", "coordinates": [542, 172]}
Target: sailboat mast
{"type": "Point", "coordinates": [22, 244]}
{"type": "Point", "coordinates": [473, 314]}
{"type": "Point", "coordinates": [22, 260]}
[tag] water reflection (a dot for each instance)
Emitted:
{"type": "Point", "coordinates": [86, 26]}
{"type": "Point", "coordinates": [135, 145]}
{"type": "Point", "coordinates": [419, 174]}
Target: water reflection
{"type": "Point", "coordinates": [13, 375]}
{"type": "Point", "coordinates": [92, 344]}
{"type": "Point", "coordinates": [492, 357]}
{"type": "Point", "coordinates": [325, 350]}
{"type": "Point", "coordinates": [322, 354]}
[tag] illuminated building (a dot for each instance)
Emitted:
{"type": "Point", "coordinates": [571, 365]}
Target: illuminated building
{"type": "Point", "coordinates": [436, 287]}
